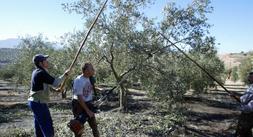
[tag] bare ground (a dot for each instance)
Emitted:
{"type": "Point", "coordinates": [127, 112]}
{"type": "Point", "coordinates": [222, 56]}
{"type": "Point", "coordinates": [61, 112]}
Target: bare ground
{"type": "Point", "coordinates": [211, 114]}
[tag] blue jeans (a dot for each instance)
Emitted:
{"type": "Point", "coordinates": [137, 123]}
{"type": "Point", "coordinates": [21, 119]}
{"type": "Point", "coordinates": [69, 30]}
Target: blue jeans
{"type": "Point", "coordinates": [42, 119]}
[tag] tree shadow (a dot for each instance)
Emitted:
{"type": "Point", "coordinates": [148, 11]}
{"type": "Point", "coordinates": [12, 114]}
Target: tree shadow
{"type": "Point", "coordinates": [12, 112]}
{"type": "Point", "coordinates": [212, 103]}
{"type": "Point", "coordinates": [136, 93]}
{"type": "Point", "coordinates": [108, 106]}
{"type": "Point", "coordinates": [222, 93]}
{"type": "Point", "coordinates": [139, 106]}
{"type": "Point", "coordinates": [204, 133]}
{"type": "Point", "coordinates": [215, 100]}
{"type": "Point", "coordinates": [138, 102]}
{"type": "Point", "coordinates": [200, 116]}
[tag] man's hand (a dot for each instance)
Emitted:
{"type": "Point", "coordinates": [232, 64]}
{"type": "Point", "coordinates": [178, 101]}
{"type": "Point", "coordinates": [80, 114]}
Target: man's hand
{"type": "Point", "coordinates": [67, 72]}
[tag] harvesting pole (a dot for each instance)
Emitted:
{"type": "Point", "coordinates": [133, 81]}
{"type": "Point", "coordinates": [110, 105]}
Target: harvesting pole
{"type": "Point", "coordinates": [60, 89]}
{"type": "Point", "coordinates": [197, 64]}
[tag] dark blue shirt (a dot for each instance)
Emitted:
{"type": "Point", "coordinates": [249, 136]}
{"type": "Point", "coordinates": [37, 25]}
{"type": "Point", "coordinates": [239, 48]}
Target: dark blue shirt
{"type": "Point", "coordinates": [40, 77]}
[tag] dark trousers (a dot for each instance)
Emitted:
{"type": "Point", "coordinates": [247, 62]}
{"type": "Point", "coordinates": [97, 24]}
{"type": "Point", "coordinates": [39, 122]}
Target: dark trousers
{"type": "Point", "coordinates": [245, 124]}
{"type": "Point", "coordinates": [81, 116]}
{"type": "Point", "coordinates": [42, 119]}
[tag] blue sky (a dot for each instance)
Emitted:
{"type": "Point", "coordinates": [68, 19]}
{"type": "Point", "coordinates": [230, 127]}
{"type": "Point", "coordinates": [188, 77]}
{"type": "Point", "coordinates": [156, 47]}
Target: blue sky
{"type": "Point", "coordinates": [31, 17]}
{"type": "Point", "coordinates": [232, 20]}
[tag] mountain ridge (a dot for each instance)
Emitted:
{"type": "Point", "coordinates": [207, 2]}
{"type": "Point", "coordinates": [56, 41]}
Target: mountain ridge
{"type": "Point", "coordinates": [9, 43]}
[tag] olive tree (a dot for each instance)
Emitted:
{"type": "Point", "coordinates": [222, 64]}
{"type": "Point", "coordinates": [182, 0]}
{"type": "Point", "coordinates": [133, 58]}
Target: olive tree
{"type": "Point", "coordinates": [30, 46]}
{"type": "Point", "coordinates": [113, 36]}
{"type": "Point", "coordinates": [128, 42]}
{"type": "Point", "coordinates": [245, 67]}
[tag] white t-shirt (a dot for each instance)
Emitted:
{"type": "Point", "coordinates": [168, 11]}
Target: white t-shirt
{"type": "Point", "coordinates": [82, 86]}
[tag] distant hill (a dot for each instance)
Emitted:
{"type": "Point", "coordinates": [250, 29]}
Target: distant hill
{"type": "Point", "coordinates": [233, 59]}
{"type": "Point", "coordinates": [9, 43]}
{"type": "Point", "coordinates": [8, 55]}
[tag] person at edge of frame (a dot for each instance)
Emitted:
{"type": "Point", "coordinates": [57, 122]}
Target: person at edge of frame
{"type": "Point", "coordinates": [245, 122]}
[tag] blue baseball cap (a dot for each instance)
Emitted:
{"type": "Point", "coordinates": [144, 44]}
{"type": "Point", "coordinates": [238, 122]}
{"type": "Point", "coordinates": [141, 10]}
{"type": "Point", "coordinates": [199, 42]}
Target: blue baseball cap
{"type": "Point", "coordinates": [39, 58]}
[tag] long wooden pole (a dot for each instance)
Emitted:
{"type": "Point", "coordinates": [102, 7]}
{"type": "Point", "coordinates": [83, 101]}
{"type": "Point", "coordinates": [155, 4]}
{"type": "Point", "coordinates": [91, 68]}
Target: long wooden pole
{"type": "Point", "coordinates": [229, 92]}
{"type": "Point", "coordinates": [81, 46]}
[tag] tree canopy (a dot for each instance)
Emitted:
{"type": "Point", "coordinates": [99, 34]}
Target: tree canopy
{"type": "Point", "coordinates": [125, 41]}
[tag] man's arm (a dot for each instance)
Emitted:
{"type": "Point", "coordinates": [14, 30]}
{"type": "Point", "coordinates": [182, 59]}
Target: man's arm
{"type": "Point", "coordinates": [55, 82]}
{"type": "Point", "coordinates": [84, 106]}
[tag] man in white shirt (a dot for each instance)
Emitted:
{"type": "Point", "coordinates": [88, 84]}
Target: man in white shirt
{"type": "Point", "coordinates": [245, 123]}
{"type": "Point", "coordinates": [82, 106]}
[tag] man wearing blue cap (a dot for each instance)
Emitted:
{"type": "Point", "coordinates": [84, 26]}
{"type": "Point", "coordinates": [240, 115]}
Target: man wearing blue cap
{"type": "Point", "coordinates": [39, 96]}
